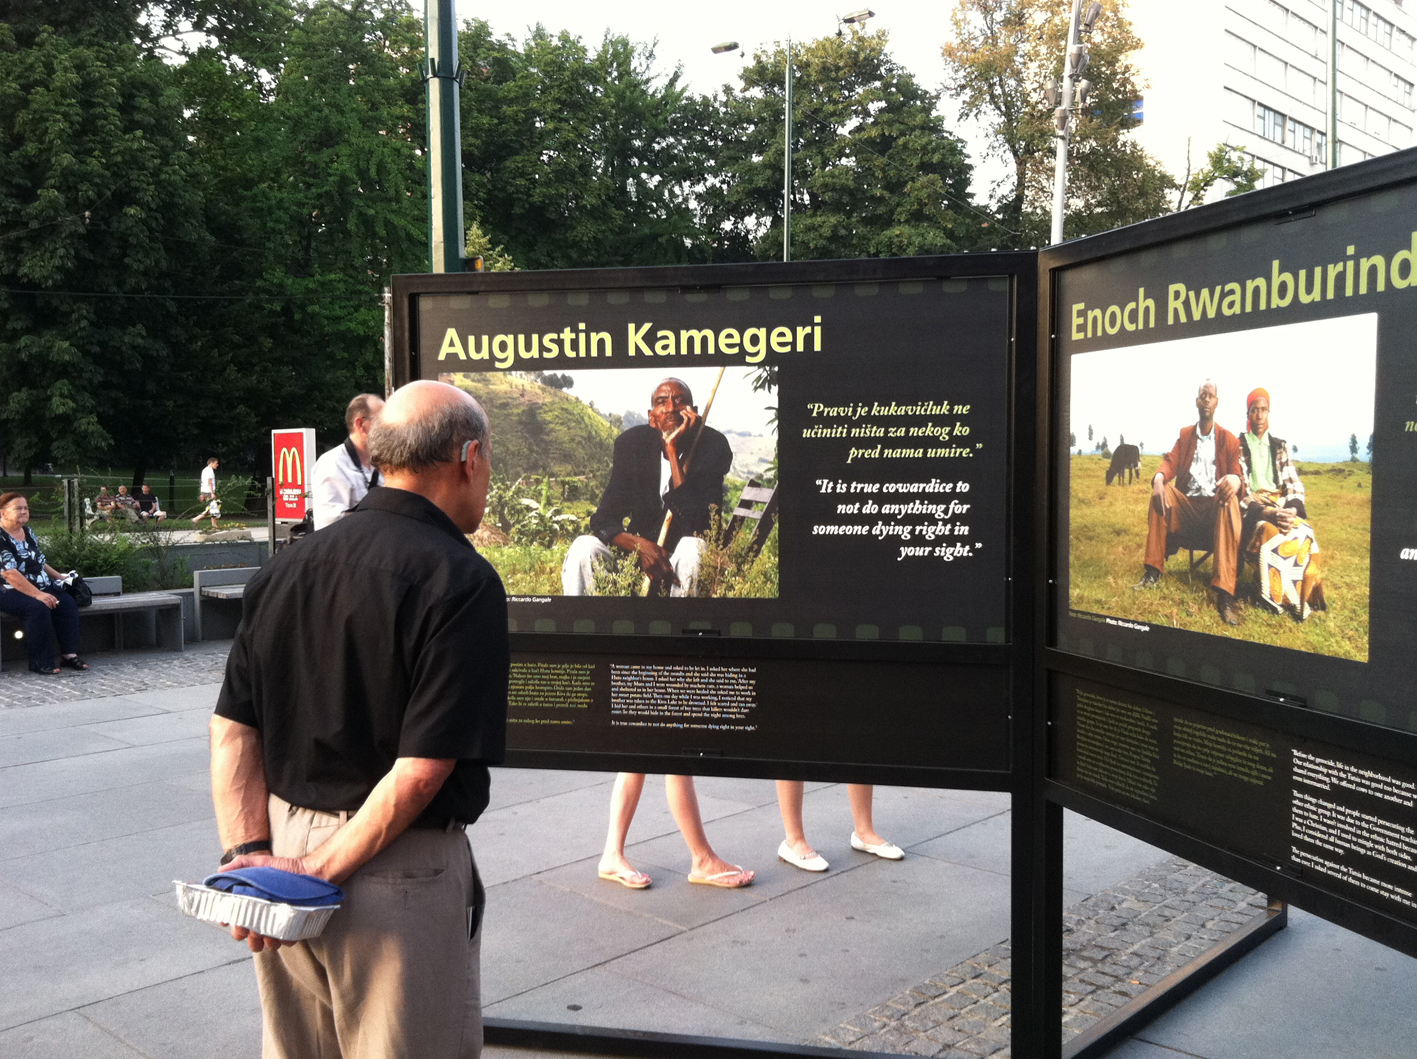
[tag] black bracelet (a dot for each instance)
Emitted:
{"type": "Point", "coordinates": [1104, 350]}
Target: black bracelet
{"type": "Point", "coordinates": [260, 845]}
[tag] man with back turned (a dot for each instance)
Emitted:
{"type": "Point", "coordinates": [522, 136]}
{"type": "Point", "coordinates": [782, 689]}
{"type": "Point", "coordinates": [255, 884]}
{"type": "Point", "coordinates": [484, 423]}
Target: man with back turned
{"type": "Point", "coordinates": [365, 696]}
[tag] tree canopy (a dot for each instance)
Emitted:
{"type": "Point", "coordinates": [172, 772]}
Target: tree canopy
{"type": "Point", "coordinates": [202, 200]}
{"type": "Point", "coordinates": [875, 171]}
{"type": "Point", "coordinates": [1004, 55]}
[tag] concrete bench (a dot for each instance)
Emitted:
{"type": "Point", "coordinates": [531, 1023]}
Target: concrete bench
{"type": "Point", "coordinates": [110, 603]}
{"type": "Point", "coordinates": [219, 594]}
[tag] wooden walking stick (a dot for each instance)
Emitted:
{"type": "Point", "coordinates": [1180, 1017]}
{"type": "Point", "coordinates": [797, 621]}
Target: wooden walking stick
{"type": "Point", "coordinates": [688, 459]}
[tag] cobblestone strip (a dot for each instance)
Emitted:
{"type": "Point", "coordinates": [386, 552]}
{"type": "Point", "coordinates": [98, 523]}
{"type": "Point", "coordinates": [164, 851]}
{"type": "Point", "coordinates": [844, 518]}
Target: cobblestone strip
{"type": "Point", "coordinates": [1116, 944]}
{"type": "Point", "coordinates": [114, 674]}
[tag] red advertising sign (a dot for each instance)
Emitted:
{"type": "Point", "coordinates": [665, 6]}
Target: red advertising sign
{"type": "Point", "coordinates": [292, 464]}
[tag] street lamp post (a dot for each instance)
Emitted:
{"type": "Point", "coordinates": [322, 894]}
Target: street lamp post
{"type": "Point", "coordinates": [1074, 64]}
{"type": "Point", "coordinates": [444, 75]}
{"type": "Point", "coordinates": [855, 18]}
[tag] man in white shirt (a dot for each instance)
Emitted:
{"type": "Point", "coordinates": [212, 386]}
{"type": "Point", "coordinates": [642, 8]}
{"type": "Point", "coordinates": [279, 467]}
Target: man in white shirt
{"type": "Point", "coordinates": [344, 475]}
{"type": "Point", "coordinates": [206, 495]}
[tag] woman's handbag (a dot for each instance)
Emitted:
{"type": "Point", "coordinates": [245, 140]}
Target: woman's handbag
{"type": "Point", "coordinates": [77, 587]}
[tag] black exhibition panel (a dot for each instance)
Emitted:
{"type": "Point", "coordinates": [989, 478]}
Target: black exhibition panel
{"type": "Point", "coordinates": [1279, 751]}
{"type": "Point", "coordinates": [863, 629]}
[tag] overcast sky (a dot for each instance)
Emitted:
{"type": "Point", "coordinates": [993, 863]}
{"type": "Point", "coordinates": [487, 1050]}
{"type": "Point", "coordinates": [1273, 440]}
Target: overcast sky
{"type": "Point", "coordinates": [685, 33]}
{"type": "Point", "coordinates": [1149, 392]}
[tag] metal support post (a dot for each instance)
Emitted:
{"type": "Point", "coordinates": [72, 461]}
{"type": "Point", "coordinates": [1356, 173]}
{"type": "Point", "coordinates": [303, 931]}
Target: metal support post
{"type": "Point", "coordinates": [1063, 116]}
{"type": "Point", "coordinates": [388, 342]}
{"type": "Point", "coordinates": [444, 76]}
{"type": "Point", "coordinates": [270, 516]}
{"type": "Point", "coordinates": [1332, 152]}
{"type": "Point", "coordinates": [787, 160]}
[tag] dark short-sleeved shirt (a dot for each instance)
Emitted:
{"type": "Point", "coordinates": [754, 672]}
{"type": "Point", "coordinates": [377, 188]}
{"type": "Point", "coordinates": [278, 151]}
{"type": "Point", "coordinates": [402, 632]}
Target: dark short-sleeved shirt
{"type": "Point", "coordinates": [383, 636]}
{"type": "Point", "coordinates": [147, 502]}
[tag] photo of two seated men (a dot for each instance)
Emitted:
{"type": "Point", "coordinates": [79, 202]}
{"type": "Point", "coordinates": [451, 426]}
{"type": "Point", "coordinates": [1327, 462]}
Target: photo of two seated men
{"type": "Point", "coordinates": [1247, 514]}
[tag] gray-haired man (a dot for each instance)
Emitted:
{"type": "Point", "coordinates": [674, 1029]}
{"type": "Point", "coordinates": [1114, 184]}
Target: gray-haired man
{"type": "Point", "coordinates": [365, 696]}
{"type": "Point", "coordinates": [344, 475]}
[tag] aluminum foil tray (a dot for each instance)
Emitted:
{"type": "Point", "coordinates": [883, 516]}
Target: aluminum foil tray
{"type": "Point", "coordinates": [269, 918]}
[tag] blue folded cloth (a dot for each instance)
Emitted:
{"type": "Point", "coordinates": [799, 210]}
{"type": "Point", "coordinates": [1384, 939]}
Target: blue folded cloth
{"type": "Point", "coordinates": [272, 884]}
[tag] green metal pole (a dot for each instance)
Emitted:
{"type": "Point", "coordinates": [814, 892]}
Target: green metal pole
{"type": "Point", "coordinates": [1333, 83]}
{"type": "Point", "coordinates": [787, 161]}
{"type": "Point", "coordinates": [444, 77]}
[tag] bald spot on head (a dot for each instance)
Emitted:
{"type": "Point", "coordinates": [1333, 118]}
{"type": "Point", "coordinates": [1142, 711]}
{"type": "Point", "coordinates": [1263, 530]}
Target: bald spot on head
{"type": "Point", "coordinates": [417, 400]}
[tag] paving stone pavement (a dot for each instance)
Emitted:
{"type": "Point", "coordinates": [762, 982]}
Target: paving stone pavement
{"type": "Point", "coordinates": [115, 673]}
{"type": "Point", "coordinates": [1116, 944]}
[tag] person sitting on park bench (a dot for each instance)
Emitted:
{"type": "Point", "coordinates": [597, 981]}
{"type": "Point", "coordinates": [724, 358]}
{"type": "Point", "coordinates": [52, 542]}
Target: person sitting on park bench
{"type": "Point", "coordinates": [149, 507]}
{"type": "Point", "coordinates": [125, 504]}
{"type": "Point", "coordinates": [103, 504]}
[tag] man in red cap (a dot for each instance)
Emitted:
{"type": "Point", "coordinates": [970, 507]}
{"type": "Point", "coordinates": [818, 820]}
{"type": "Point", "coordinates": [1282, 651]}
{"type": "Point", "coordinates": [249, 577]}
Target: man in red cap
{"type": "Point", "coordinates": [1273, 491]}
{"type": "Point", "coordinates": [1272, 505]}
{"type": "Point", "coordinates": [1195, 497]}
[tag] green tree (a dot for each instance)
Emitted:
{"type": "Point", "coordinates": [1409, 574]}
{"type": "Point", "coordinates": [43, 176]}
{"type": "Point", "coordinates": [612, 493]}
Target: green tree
{"type": "Point", "coordinates": [575, 157]}
{"type": "Point", "coordinates": [100, 209]}
{"type": "Point", "coordinates": [1225, 163]}
{"type": "Point", "coordinates": [875, 171]}
{"type": "Point", "coordinates": [479, 244]}
{"type": "Point", "coordinates": [1004, 55]}
{"type": "Point", "coordinates": [1352, 448]}
{"type": "Point", "coordinates": [318, 196]}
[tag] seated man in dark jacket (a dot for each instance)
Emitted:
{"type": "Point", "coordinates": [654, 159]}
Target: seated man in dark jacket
{"type": "Point", "coordinates": [653, 477]}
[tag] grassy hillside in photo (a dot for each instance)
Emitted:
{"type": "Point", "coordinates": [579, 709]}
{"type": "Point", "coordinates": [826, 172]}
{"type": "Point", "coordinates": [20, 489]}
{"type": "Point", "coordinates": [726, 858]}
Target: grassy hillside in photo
{"type": "Point", "coordinates": [1108, 539]}
{"type": "Point", "coordinates": [539, 430]}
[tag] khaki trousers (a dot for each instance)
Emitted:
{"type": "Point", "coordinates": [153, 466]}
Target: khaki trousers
{"type": "Point", "coordinates": [395, 974]}
{"type": "Point", "coordinates": [1200, 519]}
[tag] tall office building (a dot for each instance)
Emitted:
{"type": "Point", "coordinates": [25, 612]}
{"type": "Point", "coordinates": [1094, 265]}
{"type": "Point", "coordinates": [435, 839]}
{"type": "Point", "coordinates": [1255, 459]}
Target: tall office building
{"type": "Point", "coordinates": [1254, 73]}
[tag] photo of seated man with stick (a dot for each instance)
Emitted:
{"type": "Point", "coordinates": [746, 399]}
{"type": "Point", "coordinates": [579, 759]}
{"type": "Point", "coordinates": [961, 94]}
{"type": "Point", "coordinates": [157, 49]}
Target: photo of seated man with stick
{"type": "Point", "coordinates": [625, 482]}
{"type": "Point", "coordinates": [666, 478]}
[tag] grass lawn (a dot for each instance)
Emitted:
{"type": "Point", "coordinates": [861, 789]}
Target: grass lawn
{"type": "Point", "coordinates": [1109, 540]}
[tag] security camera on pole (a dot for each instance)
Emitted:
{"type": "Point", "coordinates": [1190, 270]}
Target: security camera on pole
{"type": "Point", "coordinates": [1072, 96]}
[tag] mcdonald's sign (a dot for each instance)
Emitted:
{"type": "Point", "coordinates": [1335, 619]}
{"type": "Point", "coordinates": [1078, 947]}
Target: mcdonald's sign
{"type": "Point", "coordinates": [292, 462]}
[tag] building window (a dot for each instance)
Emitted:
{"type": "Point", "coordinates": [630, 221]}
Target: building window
{"type": "Point", "coordinates": [1301, 138]}
{"type": "Point", "coordinates": [1269, 123]}
{"type": "Point", "coordinates": [1241, 53]}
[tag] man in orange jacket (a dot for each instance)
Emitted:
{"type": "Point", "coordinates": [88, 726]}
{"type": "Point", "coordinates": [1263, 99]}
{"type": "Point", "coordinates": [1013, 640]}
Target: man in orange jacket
{"type": "Point", "coordinates": [1195, 497]}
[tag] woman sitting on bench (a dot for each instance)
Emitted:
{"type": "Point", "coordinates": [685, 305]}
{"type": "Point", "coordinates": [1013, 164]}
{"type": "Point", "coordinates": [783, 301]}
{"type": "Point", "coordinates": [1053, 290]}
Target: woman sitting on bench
{"type": "Point", "coordinates": [30, 590]}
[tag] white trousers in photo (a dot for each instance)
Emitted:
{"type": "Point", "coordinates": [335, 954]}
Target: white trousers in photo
{"type": "Point", "coordinates": [578, 571]}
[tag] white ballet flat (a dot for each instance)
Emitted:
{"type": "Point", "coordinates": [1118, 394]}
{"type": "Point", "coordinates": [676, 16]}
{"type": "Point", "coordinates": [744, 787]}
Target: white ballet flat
{"type": "Point", "coordinates": [813, 863]}
{"type": "Point", "coordinates": [886, 850]}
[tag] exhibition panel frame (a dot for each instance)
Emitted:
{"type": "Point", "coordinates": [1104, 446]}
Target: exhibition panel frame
{"type": "Point", "coordinates": [853, 614]}
{"type": "Point", "coordinates": [1279, 751]}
